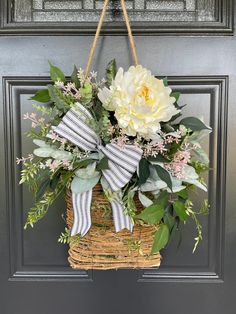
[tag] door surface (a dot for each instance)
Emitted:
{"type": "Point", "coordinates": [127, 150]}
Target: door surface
{"type": "Point", "coordinates": [192, 43]}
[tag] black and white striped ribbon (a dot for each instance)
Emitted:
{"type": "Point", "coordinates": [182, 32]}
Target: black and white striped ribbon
{"type": "Point", "coordinates": [122, 164]}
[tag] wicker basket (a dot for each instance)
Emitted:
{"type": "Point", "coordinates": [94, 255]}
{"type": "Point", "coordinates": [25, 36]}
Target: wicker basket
{"type": "Point", "coordinates": [102, 248]}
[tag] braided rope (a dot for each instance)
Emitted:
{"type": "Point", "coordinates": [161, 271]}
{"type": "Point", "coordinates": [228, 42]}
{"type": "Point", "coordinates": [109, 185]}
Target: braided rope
{"type": "Point", "coordinates": [98, 30]}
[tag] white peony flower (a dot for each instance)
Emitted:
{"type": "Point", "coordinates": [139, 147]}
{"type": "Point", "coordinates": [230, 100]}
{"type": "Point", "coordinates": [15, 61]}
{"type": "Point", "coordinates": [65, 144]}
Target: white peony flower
{"type": "Point", "coordinates": [140, 101]}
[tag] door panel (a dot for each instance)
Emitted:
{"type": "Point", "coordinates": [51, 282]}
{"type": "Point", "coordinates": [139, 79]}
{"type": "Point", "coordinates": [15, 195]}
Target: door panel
{"type": "Point", "coordinates": [35, 276]}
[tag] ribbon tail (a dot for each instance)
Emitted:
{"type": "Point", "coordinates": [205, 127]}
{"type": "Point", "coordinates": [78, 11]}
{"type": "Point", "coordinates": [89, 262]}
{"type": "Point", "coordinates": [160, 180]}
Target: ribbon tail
{"type": "Point", "coordinates": [121, 220]}
{"type": "Point", "coordinates": [81, 209]}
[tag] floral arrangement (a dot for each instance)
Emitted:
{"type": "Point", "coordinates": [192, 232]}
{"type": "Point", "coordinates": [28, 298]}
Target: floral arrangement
{"type": "Point", "coordinates": [124, 132]}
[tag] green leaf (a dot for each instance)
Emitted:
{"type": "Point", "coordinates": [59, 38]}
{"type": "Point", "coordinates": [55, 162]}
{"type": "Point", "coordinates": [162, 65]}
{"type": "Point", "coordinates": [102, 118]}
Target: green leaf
{"type": "Point", "coordinates": [164, 175]}
{"type": "Point", "coordinates": [183, 194]}
{"type": "Point", "coordinates": [83, 163]}
{"type": "Point", "coordinates": [86, 92]}
{"type": "Point", "coordinates": [43, 152]}
{"type": "Point", "coordinates": [111, 71]}
{"type": "Point", "coordinates": [162, 199]}
{"type": "Point", "coordinates": [199, 166]}
{"type": "Point", "coordinates": [174, 229]}
{"type": "Point", "coordinates": [174, 148]}
{"type": "Point", "coordinates": [161, 238]}
{"type": "Point", "coordinates": [88, 172]}
{"type": "Point", "coordinates": [56, 74]}
{"type": "Point", "coordinates": [74, 77]}
{"type": "Point", "coordinates": [165, 81]}
{"type": "Point", "coordinates": [201, 155]}
{"type": "Point", "coordinates": [144, 171]}
{"type": "Point", "coordinates": [176, 95]}
{"type": "Point", "coordinates": [144, 199]}
{"type": "Point", "coordinates": [41, 96]}
{"type": "Point", "coordinates": [176, 116]}
{"type": "Point", "coordinates": [58, 98]}
{"type": "Point", "coordinates": [169, 220]}
{"type": "Point", "coordinates": [54, 181]}
{"type": "Point", "coordinates": [180, 107]}
{"type": "Point", "coordinates": [61, 155]}
{"type": "Point", "coordinates": [42, 189]}
{"type": "Point", "coordinates": [179, 208]}
{"type": "Point", "coordinates": [79, 185]}
{"type": "Point", "coordinates": [103, 164]}
{"type": "Point", "coordinates": [194, 124]}
{"type": "Point", "coordinates": [40, 143]}
{"type": "Point", "coordinates": [167, 127]}
{"type": "Point", "coordinates": [151, 214]}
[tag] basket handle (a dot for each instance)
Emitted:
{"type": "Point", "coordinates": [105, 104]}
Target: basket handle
{"type": "Point", "coordinates": [98, 30]}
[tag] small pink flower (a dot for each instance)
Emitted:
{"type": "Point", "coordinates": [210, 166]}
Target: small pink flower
{"type": "Point", "coordinates": [122, 139]}
{"type": "Point", "coordinates": [180, 159]}
{"type": "Point", "coordinates": [48, 163]}
{"type": "Point", "coordinates": [63, 141]}
{"type": "Point", "coordinates": [33, 115]}
{"type": "Point", "coordinates": [41, 120]}
{"type": "Point", "coordinates": [65, 163]}
{"type": "Point", "coordinates": [26, 116]}
{"type": "Point", "coordinates": [182, 156]}
{"type": "Point", "coordinates": [42, 165]}
{"type": "Point", "coordinates": [77, 95]}
{"type": "Point", "coordinates": [59, 84]}
{"type": "Point", "coordinates": [54, 136]}
{"type": "Point", "coordinates": [111, 129]}
{"type": "Point", "coordinates": [30, 157]}
{"type": "Point", "coordinates": [169, 140]}
{"type": "Point", "coordinates": [80, 73]}
{"type": "Point", "coordinates": [93, 74]}
{"type": "Point", "coordinates": [69, 86]}
{"type": "Point", "coordinates": [154, 148]}
{"type": "Point", "coordinates": [18, 161]}
{"type": "Point", "coordinates": [54, 165]}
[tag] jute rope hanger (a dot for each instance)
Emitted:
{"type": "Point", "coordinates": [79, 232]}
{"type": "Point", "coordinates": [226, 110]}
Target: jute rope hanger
{"type": "Point", "coordinates": [98, 30]}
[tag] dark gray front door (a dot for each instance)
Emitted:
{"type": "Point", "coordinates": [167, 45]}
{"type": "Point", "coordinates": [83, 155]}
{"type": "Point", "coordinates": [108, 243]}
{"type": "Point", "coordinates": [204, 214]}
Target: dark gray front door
{"type": "Point", "coordinates": [193, 43]}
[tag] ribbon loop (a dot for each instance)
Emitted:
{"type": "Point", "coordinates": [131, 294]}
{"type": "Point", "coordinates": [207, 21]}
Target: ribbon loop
{"type": "Point", "coordinates": [122, 162]}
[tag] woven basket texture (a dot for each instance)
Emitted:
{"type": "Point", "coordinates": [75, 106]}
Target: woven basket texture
{"type": "Point", "coordinates": [102, 248]}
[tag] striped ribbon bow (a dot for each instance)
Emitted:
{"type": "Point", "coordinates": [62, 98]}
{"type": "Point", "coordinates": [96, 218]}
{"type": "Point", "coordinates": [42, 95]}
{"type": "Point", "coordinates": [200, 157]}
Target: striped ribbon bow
{"type": "Point", "coordinates": [122, 163]}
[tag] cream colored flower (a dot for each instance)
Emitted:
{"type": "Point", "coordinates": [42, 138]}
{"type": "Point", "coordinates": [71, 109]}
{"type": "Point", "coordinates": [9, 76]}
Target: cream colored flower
{"type": "Point", "coordinates": [140, 101]}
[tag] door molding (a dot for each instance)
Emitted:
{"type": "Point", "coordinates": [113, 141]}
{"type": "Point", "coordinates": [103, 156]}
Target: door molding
{"type": "Point", "coordinates": [217, 88]}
